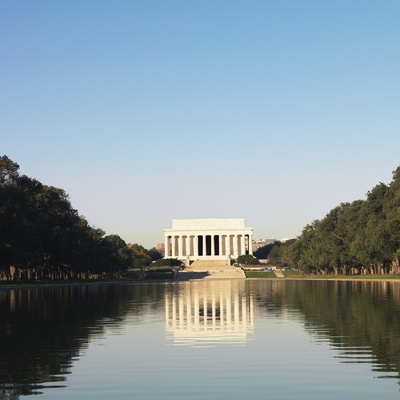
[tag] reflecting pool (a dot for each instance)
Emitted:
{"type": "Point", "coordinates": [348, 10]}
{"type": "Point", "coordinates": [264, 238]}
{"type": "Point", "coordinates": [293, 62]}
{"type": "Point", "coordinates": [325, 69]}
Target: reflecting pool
{"type": "Point", "coordinates": [202, 340]}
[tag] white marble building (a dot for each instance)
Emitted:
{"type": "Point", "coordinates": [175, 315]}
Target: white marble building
{"type": "Point", "coordinates": [207, 239]}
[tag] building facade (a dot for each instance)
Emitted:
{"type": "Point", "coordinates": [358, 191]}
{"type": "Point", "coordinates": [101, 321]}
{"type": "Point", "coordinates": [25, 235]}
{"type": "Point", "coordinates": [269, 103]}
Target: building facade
{"type": "Point", "coordinates": [207, 239]}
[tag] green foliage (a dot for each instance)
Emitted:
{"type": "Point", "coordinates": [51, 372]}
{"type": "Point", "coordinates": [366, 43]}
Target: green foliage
{"type": "Point", "coordinates": [260, 275]}
{"type": "Point", "coordinates": [160, 274]}
{"type": "Point", "coordinates": [154, 254]}
{"type": "Point", "coordinates": [43, 237]}
{"type": "Point", "coordinates": [362, 237]}
{"type": "Point", "coordinates": [263, 252]}
{"type": "Point", "coordinates": [116, 254]}
{"type": "Point", "coordinates": [247, 259]}
{"type": "Point", "coordinates": [8, 171]}
{"type": "Point", "coordinates": [167, 262]}
{"type": "Point", "coordinates": [140, 258]}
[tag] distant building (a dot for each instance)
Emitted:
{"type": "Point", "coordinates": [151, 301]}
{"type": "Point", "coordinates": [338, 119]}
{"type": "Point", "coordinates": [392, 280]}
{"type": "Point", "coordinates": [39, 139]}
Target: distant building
{"type": "Point", "coordinates": [161, 248]}
{"type": "Point", "coordinates": [283, 240]}
{"type": "Point", "coordinates": [261, 243]}
{"type": "Point", "coordinates": [207, 239]}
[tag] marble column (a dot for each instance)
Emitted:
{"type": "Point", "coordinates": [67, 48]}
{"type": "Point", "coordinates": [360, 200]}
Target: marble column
{"type": "Point", "coordinates": [235, 245]}
{"type": "Point", "coordinates": [250, 244]}
{"type": "Point", "coordinates": [166, 246]}
{"type": "Point", "coordinates": [187, 245]}
{"type": "Point", "coordinates": [172, 246]}
{"type": "Point", "coordinates": [242, 245]}
{"type": "Point", "coordinates": [196, 245]}
{"type": "Point", "coordinates": [180, 246]}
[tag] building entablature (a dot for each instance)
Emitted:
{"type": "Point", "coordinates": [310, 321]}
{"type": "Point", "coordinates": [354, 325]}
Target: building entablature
{"type": "Point", "coordinates": [207, 239]}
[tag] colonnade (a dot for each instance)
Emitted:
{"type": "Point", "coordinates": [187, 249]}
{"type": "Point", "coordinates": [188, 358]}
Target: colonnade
{"type": "Point", "coordinates": [207, 245]}
{"type": "Point", "coordinates": [199, 314]}
{"type": "Point", "coordinates": [210, 239]}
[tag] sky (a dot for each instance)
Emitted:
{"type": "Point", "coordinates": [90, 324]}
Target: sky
{"type": "Point", "coordinates": [145, 111]}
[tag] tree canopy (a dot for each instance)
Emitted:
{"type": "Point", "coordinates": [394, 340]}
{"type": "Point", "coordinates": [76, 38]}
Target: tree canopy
{"type": "Point", "coordinates": [43, 236]}
{"type": "Point", "coordinates": [362, 237]}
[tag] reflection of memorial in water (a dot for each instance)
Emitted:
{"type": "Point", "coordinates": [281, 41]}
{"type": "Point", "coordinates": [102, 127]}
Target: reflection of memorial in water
{"type": "Point", "coordinates": [208, 313]}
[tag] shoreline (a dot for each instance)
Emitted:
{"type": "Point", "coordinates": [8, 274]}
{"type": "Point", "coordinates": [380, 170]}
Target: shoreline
{"type": "Point", "coordinates": [64, 284]}
{"type": "Point", "coordinates": [130, 282]}
{"type": "Point", "coordinates": [329, 279]}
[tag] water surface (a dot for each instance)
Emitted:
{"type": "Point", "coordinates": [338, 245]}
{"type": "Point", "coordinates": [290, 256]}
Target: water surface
{"type": "Point", "coordinates": [202, 340]}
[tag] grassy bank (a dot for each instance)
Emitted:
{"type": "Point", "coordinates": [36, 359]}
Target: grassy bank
{"type": "Point", "coordinates": [154, 274]}
{"type": "Point", "coordinates": [126, 277]}
{"type": "Point", "coordinates": [160, 274]}
{"type": "Point", "coordinates": [164, 274]}
{"type": "Point", "coordinates": [296, 275]}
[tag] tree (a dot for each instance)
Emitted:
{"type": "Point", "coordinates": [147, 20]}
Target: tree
{"type": "Point", "coordinates": [140, 258]}
{"type": "Point", "coordinates": [154, 254]}
{"type": "Point", "coordinates": [43, 236]}
{"type": "Point", "coordinates": [358, 237]}
{"type": "Point", "coordinates": [263, 251]}
{"type": "Point", "coordinates": [116, 254]}
{"type": "Point", "coordinates": [8, 171]}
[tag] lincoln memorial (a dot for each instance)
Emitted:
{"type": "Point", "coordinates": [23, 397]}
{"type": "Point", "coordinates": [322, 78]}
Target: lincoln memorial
{"type": "Point", "coordinates": [207, 239]}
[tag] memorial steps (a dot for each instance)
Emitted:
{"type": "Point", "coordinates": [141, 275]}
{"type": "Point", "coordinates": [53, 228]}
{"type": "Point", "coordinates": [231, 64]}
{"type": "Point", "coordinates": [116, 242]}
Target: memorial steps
{"type": "Point", "coordinates": [278, 273]}
{"type": "Point", "coordinates": [210, 269]}
{"type": "Point", "coordinates": [210, 264]}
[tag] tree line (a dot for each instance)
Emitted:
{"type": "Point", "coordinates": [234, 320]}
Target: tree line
{"type": "Point", "coordinates": [43, 237]}
{"type": "Point", "coordinates": [362, 237]}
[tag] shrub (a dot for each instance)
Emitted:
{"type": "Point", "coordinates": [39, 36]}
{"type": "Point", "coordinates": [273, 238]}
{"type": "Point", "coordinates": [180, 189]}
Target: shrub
{"type": "Point", "coordinates": [167, 262]}
{"type": "Point", "coordinates": [247, 259]}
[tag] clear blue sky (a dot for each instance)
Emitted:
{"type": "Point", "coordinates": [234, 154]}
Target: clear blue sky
{"type": "Point", "coordinates": [147, 111]}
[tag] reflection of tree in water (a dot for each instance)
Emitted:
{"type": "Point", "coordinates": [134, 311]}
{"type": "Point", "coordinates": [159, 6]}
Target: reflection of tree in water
{"type": "Point", "coordinates": [42, 331]}
{"type": "Point", "coordinates": [360, 319]}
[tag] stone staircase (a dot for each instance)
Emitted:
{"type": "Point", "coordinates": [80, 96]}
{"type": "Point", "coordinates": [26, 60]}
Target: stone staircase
{"type": "Point", "coordinates": [210, 269]}
{"type": "Point", "coordinates": [278, 273]}
{"type": "Point", "coordinates": [209, 264]}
